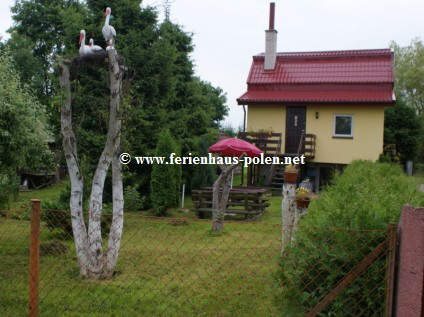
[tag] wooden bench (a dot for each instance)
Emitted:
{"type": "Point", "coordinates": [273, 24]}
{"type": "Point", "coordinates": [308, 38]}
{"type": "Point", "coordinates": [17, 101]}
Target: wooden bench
{"type": "Point", "coordinates": [250, 202]}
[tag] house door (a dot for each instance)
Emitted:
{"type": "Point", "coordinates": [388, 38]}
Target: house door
{"type": "Point", "coordinates": [295, 125]}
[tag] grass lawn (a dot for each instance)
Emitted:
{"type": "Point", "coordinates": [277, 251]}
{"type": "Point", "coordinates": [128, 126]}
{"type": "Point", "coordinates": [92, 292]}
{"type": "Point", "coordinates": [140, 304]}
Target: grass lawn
{"type": "Point", "coordinates": [419, 178]}
{"type": "Point", "coordinates": [48, 193]}
{"type": "Point", "coordinates": [166, 268]}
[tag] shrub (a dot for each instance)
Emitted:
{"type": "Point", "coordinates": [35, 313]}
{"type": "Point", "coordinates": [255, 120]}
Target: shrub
{"type": "Point", "coordinates": [204, 174]}
{"type": "Point", "coordinates": [61, 220]}
{"type": "Point", "coordinates": [402, 127]}
{"type": "Point", "coordinates": [329, 241]}
{"type": "Point", "coordinates": [166, 178]}
{"type": "Point", "coordinates": [365, 196]}
{"type": "Point", "coordinates": [133, 200]}
{"type": "Point", "coordinates": [9, 184]}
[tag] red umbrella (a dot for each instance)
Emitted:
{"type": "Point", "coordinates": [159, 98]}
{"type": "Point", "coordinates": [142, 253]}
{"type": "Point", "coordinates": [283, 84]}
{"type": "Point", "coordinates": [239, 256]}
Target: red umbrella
{"type": "Point", "coordinates": [234, 147]}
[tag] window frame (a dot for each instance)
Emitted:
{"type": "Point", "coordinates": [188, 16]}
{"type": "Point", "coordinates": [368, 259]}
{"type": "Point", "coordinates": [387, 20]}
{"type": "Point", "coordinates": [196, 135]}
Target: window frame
{"type": "Point", "coordinates": [343, 136]}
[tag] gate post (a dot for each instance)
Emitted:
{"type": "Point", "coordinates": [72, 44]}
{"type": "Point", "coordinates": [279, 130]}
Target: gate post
{"type": "Point", "coordinates": [390, 268]}
{"type": "Point", "coordinates": [410, 277]}
{"type": "Point", "coordinates": [34, 254]}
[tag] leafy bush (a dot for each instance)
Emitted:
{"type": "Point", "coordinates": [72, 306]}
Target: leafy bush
{"type": "Point", "coordinates": [402, 127]}
{"type": "Point", "coordinates": [329, 241]}
{"type": "Point", "coordinates": [9, 184]}
{"type": "Point", "coordinates": [365, 196]}
{"type": "Point", "coordinates": [132, 198]}
{"type": "Point", "coordinates": [204, 174]}
{"type": "Point", "coordinates": [166, 178]}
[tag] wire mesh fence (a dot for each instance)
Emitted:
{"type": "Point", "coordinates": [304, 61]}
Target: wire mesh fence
{"type": "Point", "coordinates": [177, 267]}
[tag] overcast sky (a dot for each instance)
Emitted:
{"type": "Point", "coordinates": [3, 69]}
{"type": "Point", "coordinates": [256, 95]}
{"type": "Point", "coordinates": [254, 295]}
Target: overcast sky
{"type": "Point", "coordinates": [228, 33]}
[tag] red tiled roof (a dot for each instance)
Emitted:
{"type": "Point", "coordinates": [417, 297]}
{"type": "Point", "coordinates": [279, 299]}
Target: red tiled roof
{"type": "Point", "coordinates": [256, 96]}
{"type": "Point", "coordinates": [334, 68]}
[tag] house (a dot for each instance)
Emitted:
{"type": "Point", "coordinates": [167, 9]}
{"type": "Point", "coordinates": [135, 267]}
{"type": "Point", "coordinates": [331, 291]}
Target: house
{"type": "Point", "coordinates": [327, 105]}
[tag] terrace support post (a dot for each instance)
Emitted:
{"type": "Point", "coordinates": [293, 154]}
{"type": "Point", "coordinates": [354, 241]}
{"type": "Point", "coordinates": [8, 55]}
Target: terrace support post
{"type": "Point", "coordinates": [288, 213]}
{"type": "Point", "coordinates": [34, 255]}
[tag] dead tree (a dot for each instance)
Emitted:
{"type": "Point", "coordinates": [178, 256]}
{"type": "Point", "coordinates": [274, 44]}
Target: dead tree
{"type": "Point", "coordinates": [92, 261]}
{"type": "Point", "coordinates": [220, 195]}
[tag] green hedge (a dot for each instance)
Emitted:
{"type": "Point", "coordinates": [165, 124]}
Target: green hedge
{"type": "Point", "coordinates": [344, 224]}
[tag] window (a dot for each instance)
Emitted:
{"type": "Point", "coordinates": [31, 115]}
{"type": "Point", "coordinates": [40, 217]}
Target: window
{"type": "Point", "coordinates": [343, 126]}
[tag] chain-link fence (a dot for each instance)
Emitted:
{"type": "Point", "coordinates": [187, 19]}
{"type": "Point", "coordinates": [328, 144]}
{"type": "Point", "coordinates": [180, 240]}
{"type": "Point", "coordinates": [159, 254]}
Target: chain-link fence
{"type": "Point", "coordinates": [177, 267]}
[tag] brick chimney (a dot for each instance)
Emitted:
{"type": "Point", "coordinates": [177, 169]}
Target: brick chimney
{"type": "Point", "coordinates": [270, 41]}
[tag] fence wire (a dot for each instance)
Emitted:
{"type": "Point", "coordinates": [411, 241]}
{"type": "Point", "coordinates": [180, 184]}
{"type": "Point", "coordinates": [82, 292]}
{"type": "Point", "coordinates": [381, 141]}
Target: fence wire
{"type": "Point", "coordinates": [177, 267]}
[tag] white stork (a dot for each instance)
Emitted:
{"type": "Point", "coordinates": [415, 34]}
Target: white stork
{"type": "Point", "coordinates": [84, 50]}
{"type": "Point", "coordinates": [94, 48]}
{"type": "Point", "coordinates": [108, 31]}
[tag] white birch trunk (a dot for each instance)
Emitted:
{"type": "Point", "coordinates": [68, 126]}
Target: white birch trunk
{"type": "Point", "coordinates": [288, 211]}
{"type": "Point", "coordinates": [70, 150]}
{"type": "Point", "coordinates": [88, 243]}
{"type": "Point", "coordinates": [116, 228]}
{"type": "Point", "coordinates": [111, 146]}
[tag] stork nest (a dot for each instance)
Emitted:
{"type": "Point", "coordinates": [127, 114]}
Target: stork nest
{"type": "Point", "coordinates": [96, 60]}
{"type": "Point", "coordinates": [100, 58]}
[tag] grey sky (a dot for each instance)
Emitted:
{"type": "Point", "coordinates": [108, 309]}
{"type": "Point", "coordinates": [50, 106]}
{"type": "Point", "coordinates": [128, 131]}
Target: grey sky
{"type": "Point", "coordinates": [228, 33]}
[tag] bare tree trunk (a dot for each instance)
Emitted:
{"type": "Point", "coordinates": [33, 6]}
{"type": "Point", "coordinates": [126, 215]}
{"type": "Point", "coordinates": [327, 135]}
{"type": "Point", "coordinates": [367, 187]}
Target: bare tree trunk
{"type": "Point", "coordinates": [220, 196]}
{"type": "Point", "coordinates": [116, 228]}
{"type": "Point", "coordinates": [288, 208]}
{"type": "Point", "coordinates": [70, 150]}
{"type": "Point", "coordinates": [88, 242]}
{"type": "Point", "coordinates": [111, 146]}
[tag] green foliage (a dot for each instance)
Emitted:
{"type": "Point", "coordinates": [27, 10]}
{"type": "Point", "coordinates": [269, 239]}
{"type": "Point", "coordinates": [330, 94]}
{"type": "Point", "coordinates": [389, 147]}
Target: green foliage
{"type": "Point", "coordinates": [365, 196]}
{"type": "Point", "coordinates": [9, 184]}
{"type": "Point", "coordinates": [163, 91]}
{"type": "Point", "coordinates": [329, 243]}
{"type": "Point", "coordinates": [133, 200]}
{"type": "Point", "coordinates": [228, 129]}
{"type": "Point", "coordinates": [402, 127]}
{"type": "Point", "coordinates": [409, 63]}
{"type": "Point", "coordinates": [165, 181]}
{"type": "Point", "coordinates": [23, 130]}
{"type": "Point", "coordinates": [204, 174]}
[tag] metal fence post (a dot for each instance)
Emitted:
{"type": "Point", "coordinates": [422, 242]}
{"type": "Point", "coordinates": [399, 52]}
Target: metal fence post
{"type": "Point", "coordinates": [34, 253]}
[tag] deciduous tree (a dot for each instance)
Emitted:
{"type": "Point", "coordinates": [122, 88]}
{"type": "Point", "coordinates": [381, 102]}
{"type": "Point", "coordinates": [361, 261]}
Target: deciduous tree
{"type": "Point", "coordinates": [409, 63]}
{"type": "Point", "coordinates": [24, 133]}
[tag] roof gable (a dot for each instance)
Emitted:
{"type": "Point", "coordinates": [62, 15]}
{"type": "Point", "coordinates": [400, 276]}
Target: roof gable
{"type": "Point", "coordinates": [373, 66]}
{"type": "Point", "coordinates": [296, 72]}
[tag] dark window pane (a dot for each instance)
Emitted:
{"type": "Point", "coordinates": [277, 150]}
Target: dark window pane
{"type": "Point", "coordinates": [343, 125]}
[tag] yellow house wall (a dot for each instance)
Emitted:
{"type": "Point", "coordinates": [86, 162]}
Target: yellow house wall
{"type": "Point", "coordinates": [367, 141]}
{"type": "Point", "coordinates": [267, 117]}
{"type": "Point", "coordinates": [368, 129]}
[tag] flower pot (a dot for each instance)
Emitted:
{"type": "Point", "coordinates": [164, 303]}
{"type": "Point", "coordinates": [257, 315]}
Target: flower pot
{"type": "Point", "coordinates": [302, 202]}
{"type": "Point", "coordinates": [290, 178]}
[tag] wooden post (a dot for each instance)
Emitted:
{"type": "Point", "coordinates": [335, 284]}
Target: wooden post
{"type": "Point", "coordinates": [34, 254]}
